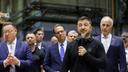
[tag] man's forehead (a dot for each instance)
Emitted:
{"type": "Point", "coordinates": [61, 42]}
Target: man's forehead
{"type": "Point", "coordinates": [9, 26]}
{"type": "Point", "coordinates": [84, 22]}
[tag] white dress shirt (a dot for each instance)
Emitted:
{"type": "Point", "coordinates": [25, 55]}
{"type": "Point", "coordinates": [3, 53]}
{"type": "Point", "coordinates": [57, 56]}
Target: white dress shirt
{"type": "Point", "coordinates": [39, 45]}
{"type": "Point", "coordinates": [11, 47]}
{"type": "Point", "coordinates": [106, 41]}
{"type": "Point", "coordinates": [126, 51]}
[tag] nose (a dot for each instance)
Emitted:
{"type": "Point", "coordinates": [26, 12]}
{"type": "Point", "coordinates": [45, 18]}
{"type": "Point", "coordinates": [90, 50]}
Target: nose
{"type": "Point", "coordinates": [29, 38]}
{"type": "Point", "coordinates": [104, 26]}
{"type": "Point", "coordinates": [60, 32]}
{"type": "Point", "coordinates": [82, 27]}
{"type": "Point", "coordinates": [6, 33]}
{"type": "Point", "coordinates": [73, 37]}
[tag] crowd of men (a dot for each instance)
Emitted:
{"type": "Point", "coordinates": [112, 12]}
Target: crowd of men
{"type": "Point", "coordinates": [75, 51]}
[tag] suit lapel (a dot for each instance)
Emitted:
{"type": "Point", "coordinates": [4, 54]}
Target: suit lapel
{"type": "Point", "coordinates": [42, 46]}
{"type": "Point", "coordinates": [111, 44]}
{"type": "Point", "coordinates": [112, 40]}
{"type": "Point", "coordinates": [99, 38]}
{"type": "Point", "coordinates": [17, 48]}
{"type": "Point", "coordinates": [57, 51]}
{"type": "Point", "coordinates": [5, 47]}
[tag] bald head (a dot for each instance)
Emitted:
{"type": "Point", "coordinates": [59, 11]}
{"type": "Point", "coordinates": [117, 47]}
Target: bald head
{"type": "Point", "coordinates": [107, 19]}
{"type": "Point", "coordinates": [72, 35]}
{"type": "Point", "coordinates": [106, 25]}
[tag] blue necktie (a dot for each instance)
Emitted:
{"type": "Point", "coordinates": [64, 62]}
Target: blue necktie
{"type": "Point", "coordinates": [62, 52]}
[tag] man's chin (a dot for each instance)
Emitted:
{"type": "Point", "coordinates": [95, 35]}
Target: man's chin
{"type": "Point", "coordinates": [105, 33]}
{"type": "Point", "coordinates": [83, 35]}
{"type": "Point", "coordinates": [9, 41]}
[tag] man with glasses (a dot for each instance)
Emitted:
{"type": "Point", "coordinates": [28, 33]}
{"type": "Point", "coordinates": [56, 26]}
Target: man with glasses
{"type": "Point", "coordinates": [15, 56]}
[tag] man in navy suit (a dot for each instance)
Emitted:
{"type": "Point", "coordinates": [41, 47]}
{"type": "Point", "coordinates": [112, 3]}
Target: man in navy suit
{"type": "Point", "coordinates": [113, 45]}
{"type": "Point", "coordinates": [15, 56]}
{"type": "Point", "coordinates": [39, 33]}
{"type": "Point", "coordinates": [54, 56]}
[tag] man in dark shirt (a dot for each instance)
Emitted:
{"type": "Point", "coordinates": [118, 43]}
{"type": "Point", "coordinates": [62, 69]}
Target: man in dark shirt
{"type": "Point", "coordinates": [84, 54]}
{"type": "Point", "coordinates": [37, 54]}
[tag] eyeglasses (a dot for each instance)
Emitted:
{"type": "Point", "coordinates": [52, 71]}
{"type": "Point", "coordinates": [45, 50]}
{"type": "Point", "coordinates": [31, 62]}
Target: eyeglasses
{"type": "Point", "coordinates": [59, 32]}
{"type": "Point", "coordinates": [8, 31]}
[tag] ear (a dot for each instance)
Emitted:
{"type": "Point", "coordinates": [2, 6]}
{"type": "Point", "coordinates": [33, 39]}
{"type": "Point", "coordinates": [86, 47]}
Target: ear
{"type": "Point", "coordinates": [15, 32]}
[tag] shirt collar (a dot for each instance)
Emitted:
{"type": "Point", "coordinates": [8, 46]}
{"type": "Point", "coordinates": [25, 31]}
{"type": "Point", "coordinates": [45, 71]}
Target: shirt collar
{"type": "Point", "coordinates": [108, 36]}
{"type": "Point", "coordinates": [14, 42]}
{"type": "Point", "coordinates": [63, 42]}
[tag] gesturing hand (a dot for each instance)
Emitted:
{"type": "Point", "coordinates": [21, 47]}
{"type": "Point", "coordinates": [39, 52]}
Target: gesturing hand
{"type": "Point", "coordinates": [81, 51]}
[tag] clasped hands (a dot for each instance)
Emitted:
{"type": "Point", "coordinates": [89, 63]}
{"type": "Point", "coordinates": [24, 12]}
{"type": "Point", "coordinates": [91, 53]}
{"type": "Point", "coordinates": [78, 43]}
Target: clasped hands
{"type": "Point", "coordinates": [11, 60]}
{"type": "Point", "coordinates": [81, 50]}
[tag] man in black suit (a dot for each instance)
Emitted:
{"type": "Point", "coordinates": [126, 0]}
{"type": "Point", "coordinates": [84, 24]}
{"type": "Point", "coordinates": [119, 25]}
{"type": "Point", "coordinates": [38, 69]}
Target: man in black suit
{"type": "Point", "coordinates": [39, 33]}
{"type": "Point", "coordinates": [84, 54]}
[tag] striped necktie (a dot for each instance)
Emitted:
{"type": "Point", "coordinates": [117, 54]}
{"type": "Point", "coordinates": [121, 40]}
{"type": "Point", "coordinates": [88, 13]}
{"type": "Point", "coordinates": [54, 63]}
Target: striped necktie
{"type": "Point", "coordinates": [12, 67]}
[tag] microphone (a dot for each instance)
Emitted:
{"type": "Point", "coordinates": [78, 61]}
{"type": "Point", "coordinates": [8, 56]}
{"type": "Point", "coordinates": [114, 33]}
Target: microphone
{"type": "Point", "coordinates": [81, 47]}
{"type": "Point", "coordinates": [81, 42]}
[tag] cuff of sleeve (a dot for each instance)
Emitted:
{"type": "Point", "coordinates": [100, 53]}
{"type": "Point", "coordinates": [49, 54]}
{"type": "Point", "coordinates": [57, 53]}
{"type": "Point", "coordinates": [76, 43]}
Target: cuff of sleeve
{"type": "Point", "coordinates": [18, 63]}
{"type": "Point", "coordinates": [4, 64]}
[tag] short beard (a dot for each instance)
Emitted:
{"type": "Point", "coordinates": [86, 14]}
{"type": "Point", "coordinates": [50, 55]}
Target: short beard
{"type": "Point", "coordinates": [31, 45]}
{"type": "Point", "coordinates": [86, 35]}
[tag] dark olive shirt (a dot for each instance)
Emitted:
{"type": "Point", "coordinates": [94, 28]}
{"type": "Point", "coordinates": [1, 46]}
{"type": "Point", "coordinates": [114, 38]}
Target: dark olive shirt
{"type": "Point", "coordinates": [38, 58]}
{"type": "Point", "coordinates": [92, 61]}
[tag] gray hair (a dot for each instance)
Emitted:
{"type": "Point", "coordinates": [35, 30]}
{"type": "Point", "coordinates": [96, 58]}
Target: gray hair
{"type": "Point", "coordinates": [107, 18]}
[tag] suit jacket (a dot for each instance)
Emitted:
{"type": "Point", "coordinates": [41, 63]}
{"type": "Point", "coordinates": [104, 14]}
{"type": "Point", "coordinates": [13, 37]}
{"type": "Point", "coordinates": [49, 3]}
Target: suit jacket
{"type": "Point", "coordinates": [43, 48]}
{"type": "Point", "coordinates": [52, 61]}
{"type": "Point", "coordinates": [22, 52]}
{"type": "Point", "coordinates": [116, 60]}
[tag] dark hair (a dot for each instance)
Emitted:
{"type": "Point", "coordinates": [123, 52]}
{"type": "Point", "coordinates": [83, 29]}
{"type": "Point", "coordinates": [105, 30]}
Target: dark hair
{"type": "Point", "coordinates": [39, 29]}
{"type": "Point", "coordinates": [9, 23]}
{"type": "Point", "coordinates": [85, 18]}
{"type": "Point", "coordinates": [57, 25]}
{"type": "Point", "coordinates": [30, 32]}
{"type": "Point", "coordinates": [124, 36]}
